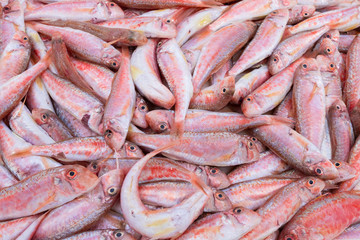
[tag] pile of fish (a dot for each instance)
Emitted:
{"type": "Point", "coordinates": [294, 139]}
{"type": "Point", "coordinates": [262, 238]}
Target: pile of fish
{"type": "Point", "coordinates": [181, 119]}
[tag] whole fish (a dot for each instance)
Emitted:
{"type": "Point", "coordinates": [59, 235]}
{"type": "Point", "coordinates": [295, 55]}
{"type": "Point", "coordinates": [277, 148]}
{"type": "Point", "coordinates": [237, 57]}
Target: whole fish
{"type": "Point", "coordinates": [152, 27]}
{"type": "Point", "coordinates": [146, 75]}
{"type": "Point", "coordinates": [250, 10]}
{"type": "Point", "coordinates": [207, 121]}
{"type": "Point", "coordinates": [296, 150]}
{"type": "Point", "coordinates": [265, 41]}
{"type": "Point", "coordinates": [284, 205]}
{"type": "Point", "coordinates": [342, 136]}
{"type": "Point", "coordinates": [232, 224]}
{"type": "Point", "coordinates": [176, 71]}
{"type": "Point", "coordinates": [45, 190]}
{"type": "Point", "coordinates": [50, 122]}
{"type": "Point", "coordinates": [120, 105]}
{"type": "Point", "coordinates": [293, 48]}
{"type": "Point", "coordinates": [93, 10]}
{"type": "Point", "coordinates": [153, 4]}
{"type": "Point", "coordinates": [344, 212]}
{"type": "Point", "coordinates": [270, 93]}
{"type": "Point", "coordinates": [216, 149]}
{"type": "Point", "coordinates": [343, 19]}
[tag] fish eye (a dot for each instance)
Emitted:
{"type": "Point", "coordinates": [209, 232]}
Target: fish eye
{"type": "Point", "coordinates": [132, 148]}
{"type": "Point", "coordinates": [254, 139]}
{"type": "Point", "coordinates": [275, 59]}
{"type": "Point", "coordinates": [304, 65]}
{"type": "Point", "coordinates": [94, 166]}
{"type": "Point", "coordinates": [328, 35]}
{"type": "Point", "coordinates": [112, 4]}
{"type": "Point", "coordinates": [328, 50]}
{"type": "Point", "coordinates": [108, 133]}
{"type": "Point", "coordinates": [143, 107]}
{"type": "Point", "coordinates": [289, 238]}
{"type": "Point", "coordinates": [337, 164]}
{"type": "Point", "coordinates": [163, 126]}
{"type": "Point", "coordinates": [311, 182]}
{"type": "Point", "coordinates": [249, 99]}
{"type": "Point", "coordinates": [114, 63]}
{"type": "Point", "coordinates": [220, 195]}
{"type": "Point", "coordinates": [274, 12]}
{"type": "Point", "coordinates": [118, 234]}
{"type": "Point", "coordinates": [71, 174]}
{"type": "Point", "coordinates": [250, 144]}
{"type": "Point", "coordinates": [319, 171]}
{"type": "Point", "coordinates": [6, 8]}
{"type": "Point", "coordinates": [44, 117]}
{"type": "Point", "coordinates": [237, 210]}
{"type": "Point", "coordinates": [338, 107]}
{"type": "Point", "coordinates": [306, 14]}
{"type": "Point", "coordinates": [25, 38]}
{"type": "Point", "coordinates": [168, 21]}
{"type": "Point", "coordinates": [112, 191]}
{"type": "Point", "coordinates": [332, 65]}
{"type": "Point", "coordinates": [214, 171]}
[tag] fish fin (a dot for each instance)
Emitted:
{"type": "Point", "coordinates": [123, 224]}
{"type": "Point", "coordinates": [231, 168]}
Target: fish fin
{"type": "Point", "coordinates": [211, 3]}
{"type": "Point", "coordinates": [22, 153]}
{"type": "Point", "coordinates": [282, 120]}
{"type": "Point", "coordinates": [313, 92]}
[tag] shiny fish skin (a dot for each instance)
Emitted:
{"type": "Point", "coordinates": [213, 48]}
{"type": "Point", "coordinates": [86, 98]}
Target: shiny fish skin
{"type": "Point", "coordinates": [342, 136]}
{"type": "Point", "coordinates": [293, 48]}
{"type": "Point", "coordinates": [253, 194]}
{"type": "Point", "coordinates": [13, 228]}
{"type": "Point", "coordinates": [75, 149]}
{"type": "Point", "coordinates": [95, 11]}
{"type": "Point", "coordinates": [216, 149]}
{"type": "Point", "coordinates": [284, 205]}
{"type": "Point", "coordinates": [350, 233]}
{"type": "Point", "coordinates": [145, 4]}
{"type": "Point", "coordinates": [300, 12]}
{"type": "Point", "coordinates": [265, 41]}
{"type": "Point", "coordinates": [230, 225]}
{"type": "Point", "coordinates": [296, 150]}
{"type": "Point", "coordinates": [83, 211]}
{"type": "Point", "coordinates": [267, 165]}
{"type": "Point", "coordinates": [309, 101]}
{"type": "Point", "coordinates": [344, 212]}
{"type": "Point", "coordinates": [52, 187]}
{"type": "Point", "coordinates": [102, 234]}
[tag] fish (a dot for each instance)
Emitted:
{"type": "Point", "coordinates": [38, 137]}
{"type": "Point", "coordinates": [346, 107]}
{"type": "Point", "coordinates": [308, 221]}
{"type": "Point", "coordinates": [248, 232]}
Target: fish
{"type": "Point", "coordinates": [106, 234]}
{"type": "Point", "coordinates": [53, 188]}
{"type": "Point", "coordinates": [166, 4]}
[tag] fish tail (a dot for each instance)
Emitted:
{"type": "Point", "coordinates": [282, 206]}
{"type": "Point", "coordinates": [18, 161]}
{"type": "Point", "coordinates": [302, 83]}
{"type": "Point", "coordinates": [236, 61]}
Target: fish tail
{"type": "Point", "coordinates": [281, 120]}
{"type": "Point", "coordinates": [197, 182]}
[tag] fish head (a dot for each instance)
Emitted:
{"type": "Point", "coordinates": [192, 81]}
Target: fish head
{"type": "Point", "coordinates": [217, 178]}
{"type": "Point", "coordinates": [327, 47]}
{"type": "Point", "coordinates": [333, 35]}
{"type": "Point", "coordinates": [307, 11]}
{"type": "Point", "coordinates": [346, 171]}
{"type": "Point", "coordinates": [250, 146]}
{"type": "Point", "coordinates": [111, 57]}
{"type": "Point", "coordinates": [41, 116]}
{"type": "Point", "coordinates": [245, 216]}
{"type": "Point", "coordinates": [160, 120]}
{"type": "Point", "coordinates": [307, 65]}
{"type": "Point", "coordinates": [277, 62]}
{"type": "Point", "coordinates": [325, 170]}
{"type": "Point", "coordinates": [141, 109]}
{"type": "Point", "coordinates": [327, 66]}
{"type": "Point", "coordinates": [166, 27]}
{"type": "Point", "coordinates": [111, 184]}
{"type": "Point", "coordinates": [226, 88]}
{"type": "Point", "coordinates": [23, 39]}
{"type": "Point", "coordinates": [115, 11]}
{"type": "Point", "coordinates": [259, 146]}
{"type": "Point", "coordinates": [114, 133]}
{"type": "Point", "coordinates": [131, 150]}
{"type": "Point", "coordinates": [338, 109]}
{"type": "Point", "coordinates": [94, 167]}
{"type": "Point", "coordinates": [311, 186]}
{"type": "Point", "coordinates": [79, 178]}
{"type": "Point", "coordinates": [118, 235]}
{"type": "Point", "coordinates": [251, 104]}
{"type": "Point", "coordinates": [279, 13]}
{"type": "Point", "coordinates": [93, 119]}
{"type": "Point", "coordinates": [219, 201]}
